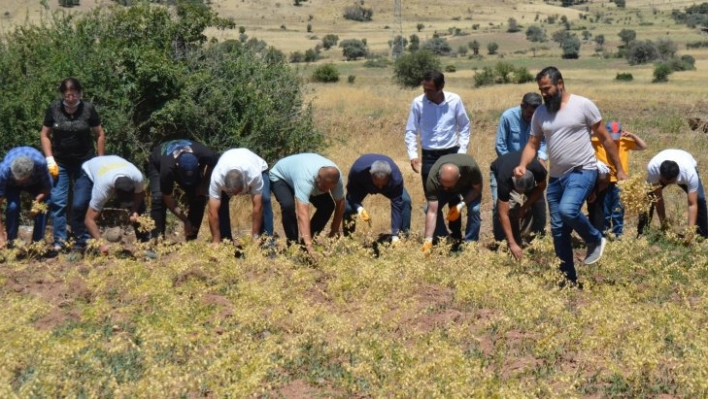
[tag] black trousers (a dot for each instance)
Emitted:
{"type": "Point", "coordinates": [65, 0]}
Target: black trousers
{"type": "Point", "coordinates": [285, 195]}
{"type": "Point", "coordinates": [158, 209]}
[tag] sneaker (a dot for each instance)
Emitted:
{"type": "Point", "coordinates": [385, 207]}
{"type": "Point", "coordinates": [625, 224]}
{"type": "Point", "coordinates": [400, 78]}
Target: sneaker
{"type": "Point", "coordinates": [594, 252]}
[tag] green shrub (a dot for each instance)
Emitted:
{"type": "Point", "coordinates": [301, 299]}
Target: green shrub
{"type": "Point", "coordinates": [661, 72]}
{"type": "Point", "coordinates": [311, 55]}
{"type": "Point", "coordinates": [624, 77]}
{"type": "Point", "coordinates": [351, 78]}
{"type": "Point", "coordinates": [410, 68]}
{"type": "Point", "coordinates": [152, 77]}
{"type": "Point", "coordinates": [329, 40]}
{"type": "Point", "coordinates": [438, 46]}
{"type": "Point", "coordinates": [297, 56]}
{"type": "Point", "coordinates": [326, 74]}
{"type": "Point", "coordinates": [522, 75]}
{"type": "Point", "coordinates": [486, 77]}
{"type": "Point", "coordinates": [450, 68]}
{"type": "Point", "coordinates": [358, 13]}
{"type": "Point", "coordinates": [353, 49]}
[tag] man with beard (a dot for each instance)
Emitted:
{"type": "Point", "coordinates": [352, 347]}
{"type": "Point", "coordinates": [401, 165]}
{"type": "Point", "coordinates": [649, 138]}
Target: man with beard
{"type": "Point", "coordinates": [567, 121]}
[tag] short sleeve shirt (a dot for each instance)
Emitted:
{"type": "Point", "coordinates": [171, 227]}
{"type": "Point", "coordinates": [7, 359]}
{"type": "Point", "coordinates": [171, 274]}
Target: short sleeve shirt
{"type": "Point", "coordinates": [300, 171]}
{"type": "Point", "coordinates": [503, 170]}
{"type": "Point", "coordinates": [103, 172]}
{"type": "Point", "coordinates": [470, 175]}
{"type": "Point", "coordinates": [249, 164]}
{"type": "Point", "coordinates": [568, 134]}
{"type": "Point", "coordinates": [688, 174]}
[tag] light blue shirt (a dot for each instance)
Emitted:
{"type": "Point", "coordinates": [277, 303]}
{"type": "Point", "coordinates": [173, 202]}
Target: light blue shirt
{"type": "Point", "coordinates": [513, 133]}
{"type": "Point", "coordinates": [438, 125]}
{"type": "Point", "coordinates": [299, 171]}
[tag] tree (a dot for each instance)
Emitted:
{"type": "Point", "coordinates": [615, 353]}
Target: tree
{"type": "Point", "coordinates": [397, 45]}
{"type": "Point", "coordinates": [641, 52]}
{"type": "Point", "coordinates": [535, 34]}
{"type": "Point", "coordinates": [627, 36]}
{"type": "Point", "coordinates": [414, 43]}
{"type": "Point", "coordinates": [329, 40]}
{"type": "Point", "coordinates": [586, 35]}
{"type": "Point", "coordinates": [353, 49]}
{"type": "Point", "coordinates": [620, 3]}
{"type": "Point", "coordinates": [571, 48]}
{"type": "Point", "coordinates": [408, 70]}
{"type": "Point", "coordinates": [358, 13]}
{"type": "Point", "coordinates": [420, 26]}
{"type": "Point", "coordinates": [462, 50]}
{"type": "Point", "coordinates": [560, 36]}
{"type": "Point", "coordinates": [513, 26]}
{"type": "Point", "coordinates": [438, 45]}
{"type": "Point", "coordinates": [492, 48]}
{"type": "Point", "coordinates": [600, 40]}
{"type": "Point", "coordinates": [666, 48]}
{"type": "Point", "coordinates": [474, 46]}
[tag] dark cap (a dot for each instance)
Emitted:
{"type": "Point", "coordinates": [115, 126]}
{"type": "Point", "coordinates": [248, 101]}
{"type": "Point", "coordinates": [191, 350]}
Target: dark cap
{"type": "Point", "coordinates": [188, 169]}
{"type": "Point", "coordinates": [533, 99]}
{"type": "Point", "coordinates": [524, 183]}
{"type": "Point", "coordinates": [124, 188]}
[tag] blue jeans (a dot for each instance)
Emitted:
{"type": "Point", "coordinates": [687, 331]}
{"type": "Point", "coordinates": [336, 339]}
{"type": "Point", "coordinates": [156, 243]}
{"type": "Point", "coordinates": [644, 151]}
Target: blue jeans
{"type": "Point", "coordinates": [267, 218]}
{"type": "Point", "coordinates": [614, 211]}
{"type": "Point", "coordinates": [79, 206]}
{"type": "Point", "coordinates": [350, 211]}
{"type": "Point", "coordinates": [68, 174]}
{"type": "Point", "coordinates": [474, 218]}
{"type": "Point", "coordinates": [12, 213]}
{"type": "Point", "coordinates": [566, 196]}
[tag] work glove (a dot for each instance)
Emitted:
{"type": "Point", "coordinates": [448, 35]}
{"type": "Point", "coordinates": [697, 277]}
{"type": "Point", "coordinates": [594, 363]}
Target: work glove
{"type": "Point", "coordinates": [395, 241]}
{"type": "Point", "coordinates": [53, 167]}
{"type": "Point", "coordinates": [455, 212]}
{"type": "Point", "coordinates": [363, 214]}
{"type": "Point", "coordinates": [427, 247]}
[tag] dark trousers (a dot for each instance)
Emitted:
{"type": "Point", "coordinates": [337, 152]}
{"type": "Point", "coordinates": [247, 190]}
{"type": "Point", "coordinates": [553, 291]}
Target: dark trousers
{"type": "Point", "coordinates": [701, 219]}
{"type": "Point", "coordinates": [323, 203]}
{"type": "Point", "coordinates": [79, 207]}
{"type": "Point", "coordinates": [596, 211]}
{"type": "Point", "coordinates": [12, 213]}
{"type": "Point", "coordinates": [405, 228]}
{"type": "Point", "coordinates": [158, 209]}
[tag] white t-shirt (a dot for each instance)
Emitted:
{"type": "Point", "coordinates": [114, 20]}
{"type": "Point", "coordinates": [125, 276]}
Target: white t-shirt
{"type": "Point", "coordinates": [103, 172]}
{"type": "Point", "coordinates": [688, 175]}
{"type": "Point", "coordinates": [568, 135]}
{"type": "Point", "coordinates": [249, 164]}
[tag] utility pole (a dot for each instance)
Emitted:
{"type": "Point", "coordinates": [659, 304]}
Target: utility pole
{"type": "Point", "coordinates": [398, 30]}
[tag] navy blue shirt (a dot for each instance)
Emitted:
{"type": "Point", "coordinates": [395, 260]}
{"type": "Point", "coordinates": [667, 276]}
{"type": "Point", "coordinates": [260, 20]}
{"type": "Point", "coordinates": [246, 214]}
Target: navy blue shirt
{"type": "Point", "coordinates": [360, 184]}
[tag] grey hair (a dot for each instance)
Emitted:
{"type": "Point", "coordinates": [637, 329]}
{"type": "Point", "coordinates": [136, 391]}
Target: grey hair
{"type": "Point", "coordinates": [233, 181]}
{"type": "Point", "coordinates": [381, 170]}
{"type": "Point", "coordinates": [22, 168]}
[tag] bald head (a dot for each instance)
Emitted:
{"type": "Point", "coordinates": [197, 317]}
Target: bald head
{"type": "Point", "coordinates": [449, 175]}
{"type": "Point", "coordinates": [327, 178]}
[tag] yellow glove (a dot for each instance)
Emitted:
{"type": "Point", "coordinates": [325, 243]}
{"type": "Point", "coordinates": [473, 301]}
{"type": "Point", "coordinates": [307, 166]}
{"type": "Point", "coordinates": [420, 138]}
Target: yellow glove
{"type": "Point", "coordinates": [364, 215]}
{"type": "Point", "coordinates": [427, 247]}
{"type": "Point", "coordinates": [53, 167]}
{"type": "Point", "coordinates": [455, 212]}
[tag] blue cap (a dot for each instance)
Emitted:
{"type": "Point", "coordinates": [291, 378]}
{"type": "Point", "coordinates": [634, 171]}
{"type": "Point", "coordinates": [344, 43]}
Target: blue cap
{"type": "Point", "coordinates": [615, 129]}
{"type": "Point", "coordinates": [188, 169]}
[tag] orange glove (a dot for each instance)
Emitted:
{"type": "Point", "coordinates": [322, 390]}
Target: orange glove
{"type": "Point", "coordinates": [427, 247]}
{"type": "Point", "coordinates": [53, 167]}
{"type": "Point", "coordinates": [364, 215]}
{"type": "Point", "coordinates": [455, 212]}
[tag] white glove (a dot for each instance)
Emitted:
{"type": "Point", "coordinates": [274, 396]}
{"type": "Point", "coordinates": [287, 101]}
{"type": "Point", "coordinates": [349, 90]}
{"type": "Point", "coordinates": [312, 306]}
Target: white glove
{"type": "Point", "coordinates": [395, 239]}
{"type": "Point", "coordinates": [53, 167]}
{"type": "Point", "coordinates": [602, 170]}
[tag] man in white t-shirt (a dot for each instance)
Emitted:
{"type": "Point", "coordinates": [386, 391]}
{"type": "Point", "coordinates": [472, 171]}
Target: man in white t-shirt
{"type": "Point", "coordinates": [567, 122]}
{"type": "Point", "coordinates": [674, 166]}
{"type": "Point", "coordinates": [102, 178]}
{"type": "Point", "coordinates": [239, 171]}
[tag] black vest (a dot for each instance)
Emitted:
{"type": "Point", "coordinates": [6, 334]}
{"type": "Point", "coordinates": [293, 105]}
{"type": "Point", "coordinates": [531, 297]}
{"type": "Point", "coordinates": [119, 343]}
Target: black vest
{"type": "Point", "coordinates": [72, 139]}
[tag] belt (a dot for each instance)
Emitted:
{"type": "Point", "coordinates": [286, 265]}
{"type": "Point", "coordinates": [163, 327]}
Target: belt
{"type": "Point", "coordinates": [441, 152]}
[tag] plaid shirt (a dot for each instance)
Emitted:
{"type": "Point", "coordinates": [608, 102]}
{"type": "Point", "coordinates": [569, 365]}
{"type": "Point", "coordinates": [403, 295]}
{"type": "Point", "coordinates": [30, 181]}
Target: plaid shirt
{"type": "Point", "coordinates": [40, 174]}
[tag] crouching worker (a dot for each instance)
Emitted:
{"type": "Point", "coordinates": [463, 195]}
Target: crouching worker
{"type": "Point", "coordinates": [240, 171]}
{"type": "Point", "coordinates": [101, 179]}
{"type": "Point", "coordinates": [521, 208]}
{"type": "Point", "coordinates": [377, 174]}
{"type": "Point", "coordinates": [23, 169]}
{"type": "Point", "coordinates": [455, 180]}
